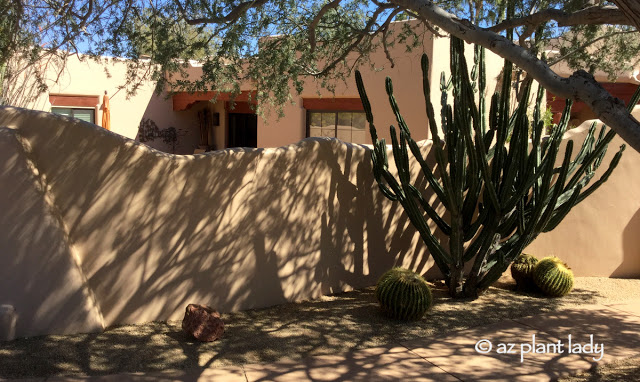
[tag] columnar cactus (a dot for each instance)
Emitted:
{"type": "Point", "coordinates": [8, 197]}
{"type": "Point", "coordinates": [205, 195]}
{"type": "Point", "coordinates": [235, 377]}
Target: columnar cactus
{"type": "Point", "coordinates": [403, 294]}
{"type": "Point", "coordinates": [522, 271]}
{"type": "Point", "coordinates": [553, 277]}
{"type": "Point", "coordinates": [500, 189]}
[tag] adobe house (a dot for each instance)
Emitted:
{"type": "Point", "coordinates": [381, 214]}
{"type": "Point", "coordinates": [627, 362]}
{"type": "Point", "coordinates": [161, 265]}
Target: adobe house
{"type": "Point", "coordinates": [202, 124]}
{"type": "Point", "coordinates": [130, 235]}
{"type": "Point", "coordinates": [184, 123]}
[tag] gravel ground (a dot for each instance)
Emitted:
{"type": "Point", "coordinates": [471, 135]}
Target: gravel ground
{"type": "Point", "coordinates": [329, 325]}
{"type": "Point", "coordinates": [627, 370]}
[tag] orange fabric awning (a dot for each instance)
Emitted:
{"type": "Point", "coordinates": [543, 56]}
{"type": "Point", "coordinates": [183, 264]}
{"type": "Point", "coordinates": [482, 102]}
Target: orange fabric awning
{"type": "Point", "coordinates": [184, 100]}
{"type": "Point", "coordinates": [106, 113]}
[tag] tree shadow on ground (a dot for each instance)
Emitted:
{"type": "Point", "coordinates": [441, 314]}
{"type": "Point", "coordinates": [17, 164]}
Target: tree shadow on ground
{"type": "Point", "coordinates": [334, 324]}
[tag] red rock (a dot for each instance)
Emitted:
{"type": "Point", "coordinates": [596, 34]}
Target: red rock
{"type": "Point", "coordinates": [203, 323]}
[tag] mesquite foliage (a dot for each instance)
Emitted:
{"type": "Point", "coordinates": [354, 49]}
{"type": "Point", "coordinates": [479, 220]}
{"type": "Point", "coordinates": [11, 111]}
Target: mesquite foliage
{"type": "Point", "coordinates": [500, 189]}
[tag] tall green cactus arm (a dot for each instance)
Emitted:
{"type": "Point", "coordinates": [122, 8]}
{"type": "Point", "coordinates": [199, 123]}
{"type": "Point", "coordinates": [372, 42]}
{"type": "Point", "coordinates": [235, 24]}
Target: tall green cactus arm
{"type": "Point", "coordinates": [500, 190]}
{"type": "Point", "coordinates": [614, 163]}
{"type": "Point", "coordinates": [403, 191]}
{"type": "Point", "coordinates": [426, 170]}
{"type": "Point", "coordinates": [557, 189]}
{"type": "Point", "coordinates": [435, 135]}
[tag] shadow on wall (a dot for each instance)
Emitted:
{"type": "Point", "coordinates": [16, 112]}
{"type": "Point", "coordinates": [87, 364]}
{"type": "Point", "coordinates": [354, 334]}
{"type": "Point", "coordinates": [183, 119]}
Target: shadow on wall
{"type": "Point", "coordinates": [38, 275]}
{"type": "Point", "coordinates": [233, 229]}
{"type": "Point", "coordinates": [631, 253]}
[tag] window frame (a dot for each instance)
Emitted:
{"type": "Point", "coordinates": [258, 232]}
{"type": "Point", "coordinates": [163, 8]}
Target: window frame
{"type": "Point", "coordinates": [335, 122]}
{"type": "Point", "coordinates": [76, 101]}
{"type": "Point", "coordinates": [72, 108]}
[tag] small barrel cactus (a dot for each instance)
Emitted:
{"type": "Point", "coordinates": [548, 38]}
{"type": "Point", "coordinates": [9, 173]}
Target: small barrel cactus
{"type": "Point", "coordinates": [522, 271]}
{"type": "Point", "coordinates": [553, 277]}
{"type": "Point", "coordinates": [403, 294]}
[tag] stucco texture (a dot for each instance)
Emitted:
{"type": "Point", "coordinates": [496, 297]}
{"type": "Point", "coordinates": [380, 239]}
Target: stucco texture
{"type": "Point", "coordinates": [234, 229]}
{"type": "Point", "coordinates": [39, 276]}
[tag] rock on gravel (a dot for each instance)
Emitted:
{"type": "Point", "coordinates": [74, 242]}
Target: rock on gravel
{"type": "Point", "coordinates": [203, 323]}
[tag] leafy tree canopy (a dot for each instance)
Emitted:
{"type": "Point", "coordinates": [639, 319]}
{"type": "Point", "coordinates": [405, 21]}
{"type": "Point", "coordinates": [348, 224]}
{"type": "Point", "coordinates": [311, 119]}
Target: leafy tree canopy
{"type": "Point", "coordinates": [228, 37]}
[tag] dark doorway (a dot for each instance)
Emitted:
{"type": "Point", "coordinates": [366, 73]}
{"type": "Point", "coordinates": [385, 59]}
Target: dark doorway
{"type": "Point", "coordinates": [243, 130]}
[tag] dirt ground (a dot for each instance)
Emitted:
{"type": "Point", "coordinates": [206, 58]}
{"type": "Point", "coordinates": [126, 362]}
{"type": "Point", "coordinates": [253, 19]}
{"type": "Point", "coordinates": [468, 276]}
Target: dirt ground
{"type": "Point", "coordinates": [339, 323]}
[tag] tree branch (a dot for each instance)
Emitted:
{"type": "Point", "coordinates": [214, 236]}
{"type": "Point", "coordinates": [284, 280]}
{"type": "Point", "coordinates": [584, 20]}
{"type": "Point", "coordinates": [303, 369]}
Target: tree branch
{"type": "Point", "coordinates": [592, 15]}
{"type": "Point", "coordinates": [631, 9]}
{"type": "Point", "coordinates": [385, 32]}
{"type": "Point", "coordinates": [580, 86]}
{"type": "Point", "coordinates": [233, 15]}
{"type": "Point", "coordinates": [316, 21]}
{"type": "Point", "coordinates": [365, 33]}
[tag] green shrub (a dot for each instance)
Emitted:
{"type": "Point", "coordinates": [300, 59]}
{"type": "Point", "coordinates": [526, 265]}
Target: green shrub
{"type": "Point", "coordinates": [522, 271]}
{"type": "Point", "coordinates": [403, 294]}
{"type": "Point", "coordinates": [553, 277]}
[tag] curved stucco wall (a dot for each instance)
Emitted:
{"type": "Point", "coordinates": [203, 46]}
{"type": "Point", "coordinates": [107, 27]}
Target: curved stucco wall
{"type": "Point", "coordinates": [234, 229]}
{"type": "Point", "coordinates": [238, 229]}
{"type": "Point", "coordinates": [39, 273]}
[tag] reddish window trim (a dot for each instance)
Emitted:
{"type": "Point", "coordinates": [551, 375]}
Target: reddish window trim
{"type": "Point", "coordinates": [622, 90]}
{"type": "Point", "coordinates": [76, 101]}
{"type": "Point", "coordinates": [333, 104]}
{"type": "Point", "coordinates": [239, 108]}
{"type": "Point", "coordinates": [61, 100]}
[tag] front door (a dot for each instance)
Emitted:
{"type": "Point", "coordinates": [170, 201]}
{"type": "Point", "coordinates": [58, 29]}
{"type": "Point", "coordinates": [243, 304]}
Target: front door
{"type": "Point", "coordinates": [243, 130]}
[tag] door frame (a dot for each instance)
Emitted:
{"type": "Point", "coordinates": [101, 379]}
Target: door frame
{"type": "Point", "coordinates": [240, 108]}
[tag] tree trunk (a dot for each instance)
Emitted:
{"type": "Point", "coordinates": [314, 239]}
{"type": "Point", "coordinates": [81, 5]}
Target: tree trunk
{"type": "Point", "coordinates": [631, 9]}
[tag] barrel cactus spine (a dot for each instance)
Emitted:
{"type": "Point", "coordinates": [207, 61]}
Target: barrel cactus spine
{"type": "Point", "coordinates": [553, 277]}
{"type": "Point", "coordinates": [522, 271]}
{"type": "Point", "coordinates": [403, 294]}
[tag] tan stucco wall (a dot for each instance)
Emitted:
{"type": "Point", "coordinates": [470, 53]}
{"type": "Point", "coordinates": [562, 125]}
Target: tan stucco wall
{"type": "Point", "coordinates": [238, 229]}
{"type": "Point", "coordinates": [234, 229]}
{"type": "Point", "coordinates": [38, 272]}
{"type": "Point", "coordinates": [631, 76]}
{"type": "Point", "coordinates": [90, 78]}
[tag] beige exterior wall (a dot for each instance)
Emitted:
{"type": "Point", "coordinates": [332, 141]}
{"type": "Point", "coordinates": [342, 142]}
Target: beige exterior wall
{"type": "Point", "coordinates": [90, 78]}
{"type": "Point", "coordinates": [154, 232]}
{"type": "Point", "coordinates": [632, 77]}
{"type": "Point", "coordinates": [235, 229]}
{"type": "Point", "coordinates": [406, 75]}
{"type": "Point", "coordinates": [39, 274]}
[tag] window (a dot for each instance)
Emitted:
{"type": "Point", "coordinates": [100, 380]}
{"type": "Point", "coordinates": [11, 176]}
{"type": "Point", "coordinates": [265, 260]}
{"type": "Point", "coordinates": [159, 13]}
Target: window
{"type": "Point", "coordinates": [83, 107]}
{"type": "Point", "coordinates": [83, 114]}
{"type": "Point", "coordinates": [348, 126]}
